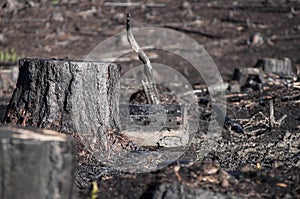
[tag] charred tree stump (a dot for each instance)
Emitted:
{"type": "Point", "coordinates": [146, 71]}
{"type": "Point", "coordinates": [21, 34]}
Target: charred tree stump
{"type": "Point", "coordinates": [66, 96]}
{"type": "Point", "coordinates": [36, 163]}
{"type": "Point", "coordinates": [48, 92]}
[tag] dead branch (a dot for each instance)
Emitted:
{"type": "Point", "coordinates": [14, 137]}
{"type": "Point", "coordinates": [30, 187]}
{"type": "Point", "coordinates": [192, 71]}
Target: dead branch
{"type": "Point", "coordinates": [149, 84]}
{"type": "Point", "coordinates": [272, 118]}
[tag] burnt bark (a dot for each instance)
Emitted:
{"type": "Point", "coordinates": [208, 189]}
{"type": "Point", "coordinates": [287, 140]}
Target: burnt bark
{"type": "Point", "coordinates": [36, 163]}
{"type": "Point", "coordinates": [65, 95]}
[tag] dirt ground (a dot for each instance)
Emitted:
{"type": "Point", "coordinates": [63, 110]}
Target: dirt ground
{"type": "Point", "coordinates": [262, 162]}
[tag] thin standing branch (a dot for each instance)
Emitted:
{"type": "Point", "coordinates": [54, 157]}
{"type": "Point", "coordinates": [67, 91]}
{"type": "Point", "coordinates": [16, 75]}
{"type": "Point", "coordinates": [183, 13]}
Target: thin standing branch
{"type": "Point", "coordinates": [272, 118]}
{"type": "Point", "coordinates": [149, 84]}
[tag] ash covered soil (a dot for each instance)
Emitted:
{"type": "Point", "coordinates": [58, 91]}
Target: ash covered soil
{"type": "Point", "coordinates": [264, 161]}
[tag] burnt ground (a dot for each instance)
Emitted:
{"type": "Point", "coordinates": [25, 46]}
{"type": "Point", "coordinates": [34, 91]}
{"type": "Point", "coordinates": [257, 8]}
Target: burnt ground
{"type": "Point", "coordinates": [262, 162]}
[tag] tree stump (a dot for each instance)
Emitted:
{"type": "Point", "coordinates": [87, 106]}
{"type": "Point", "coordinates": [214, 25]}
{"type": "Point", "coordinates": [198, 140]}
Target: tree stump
{"type": "Point", "coordinates": [67, 96]}
{"type": "Point", "coordinates": [35, 163]}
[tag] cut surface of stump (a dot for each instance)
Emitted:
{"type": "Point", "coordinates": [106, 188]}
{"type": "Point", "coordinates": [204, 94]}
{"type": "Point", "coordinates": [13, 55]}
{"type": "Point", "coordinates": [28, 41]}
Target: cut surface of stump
{"type": "Point", "coordinates": [36, 163]}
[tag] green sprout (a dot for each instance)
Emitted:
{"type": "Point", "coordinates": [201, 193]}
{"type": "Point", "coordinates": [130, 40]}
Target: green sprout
{"type": "Point", "coordinates": [95, 190]}
{"type": "Point", "coordinates": [54, 2]}
{"type": "Point", "coordinates": [9, 56]}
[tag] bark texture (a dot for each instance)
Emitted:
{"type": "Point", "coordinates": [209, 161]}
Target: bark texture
{"type": "Point", "coordinates": [36, 163]}
{"type": "Point", "coordinates": [65, 96]}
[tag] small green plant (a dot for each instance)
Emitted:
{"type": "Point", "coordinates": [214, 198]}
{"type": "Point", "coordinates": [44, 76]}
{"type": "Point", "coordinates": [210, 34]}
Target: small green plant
{"type": "Point", "coordinates": [95, 190]}
{"type": "Point", "coordinates": [54, 2]}
{"type": "Point", "coordinates": [9, 56]}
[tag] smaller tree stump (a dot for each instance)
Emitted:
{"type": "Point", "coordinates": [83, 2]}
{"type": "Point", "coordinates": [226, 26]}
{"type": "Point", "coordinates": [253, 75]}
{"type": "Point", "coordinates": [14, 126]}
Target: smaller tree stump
{"type": "Point", "coordinates": [35, 163]}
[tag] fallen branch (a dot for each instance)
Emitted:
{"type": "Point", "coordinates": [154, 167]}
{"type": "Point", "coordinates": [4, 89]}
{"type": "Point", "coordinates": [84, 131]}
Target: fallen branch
{"type": "Point", "coordinates": [279, 122]}
{"type": "Point", "coordinates": [211, 36]}
{"type": "Point", "coordinates": [296, 85]}
{"type": "Point", "coordinates": [237, 95]}
{"type": "Point", "coordinates": [256, 121]}
{"type": "Point", "coordinates": [122, 4]}
{"type": "Point", "coordinates": [134, 4]}
{"type": "Point", "coordinates": [283, 38]}
{"type": "Point", "coordinates": [238, 21]}
{"type": "Point", "coordinates": [260, 119]}
{"type": "Point", "coordinates": [291, 97]}
{"type": "Point", "coordinates": [264, 9]}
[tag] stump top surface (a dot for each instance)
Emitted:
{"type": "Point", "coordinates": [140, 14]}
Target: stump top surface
{"type": "Point", "coordinates": [63, 60]}
{"type": "Point", "coordinates": [33, 134]}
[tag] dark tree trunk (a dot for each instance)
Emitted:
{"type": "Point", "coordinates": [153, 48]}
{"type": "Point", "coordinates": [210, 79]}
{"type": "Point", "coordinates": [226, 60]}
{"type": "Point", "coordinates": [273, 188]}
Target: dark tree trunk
{"type": "Point", "coordinates": [36, 163]}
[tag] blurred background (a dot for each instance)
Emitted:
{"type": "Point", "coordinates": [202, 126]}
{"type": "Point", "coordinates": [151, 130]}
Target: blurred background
{"type": "Point", "coordinates": [234, 33]}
